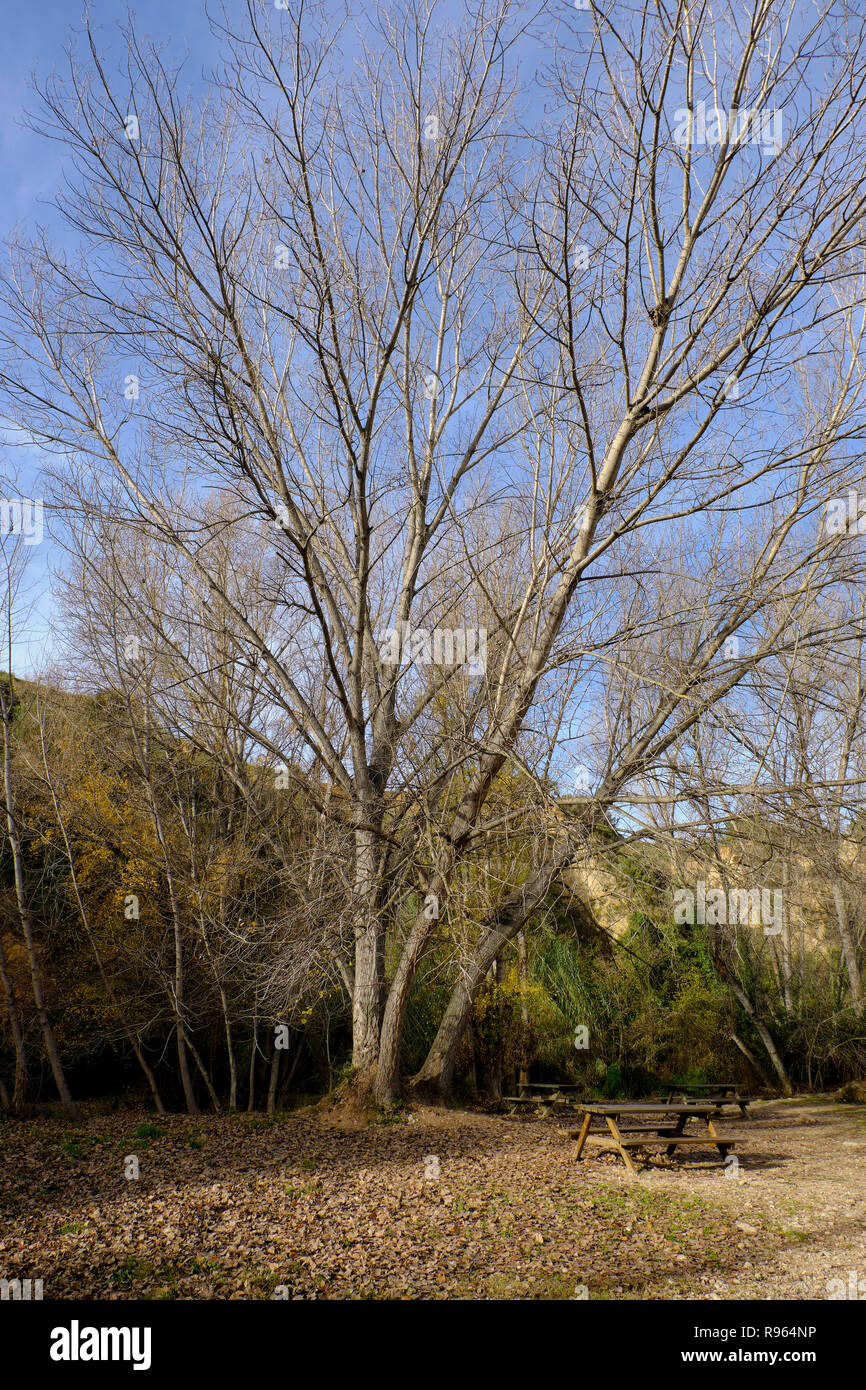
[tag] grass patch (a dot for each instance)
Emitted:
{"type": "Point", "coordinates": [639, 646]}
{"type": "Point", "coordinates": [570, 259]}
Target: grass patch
{"type": "Point", "coordinates": [393, 1114]}
{"type": "Point", "coordinates": [147, 1132]}
{"type": "Point", "coordinates": [133, 1270]}
{"type": "Point", "coordinates": [79, 1145]}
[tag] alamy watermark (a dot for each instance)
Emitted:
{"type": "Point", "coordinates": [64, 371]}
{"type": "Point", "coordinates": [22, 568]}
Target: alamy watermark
{"type": "Point", "coordinates": [854, 1288]}
{"type": "Point", "coordinates": [77, 1343]}
{"type": "Point", "coordinates": [21, 516]}
{"type": "Point", "coordinates": [713, 126]}
{"type": "Point", "coordinates": [757, 907]}
{"type": "Point", "coordinates": [846, 515]}
{"type": "Point", "coordinates": [18, 1290]}
{"type": "Point", "coordinates": [443, 646]}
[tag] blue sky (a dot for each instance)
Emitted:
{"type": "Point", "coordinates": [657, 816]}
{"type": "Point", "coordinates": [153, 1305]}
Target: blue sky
{"type": "Point", "coordinates": [31, 169]}
{"type": "Point", "coordinates": [31, 173]}
{"type": "Point", "coordinates": [36, 37]}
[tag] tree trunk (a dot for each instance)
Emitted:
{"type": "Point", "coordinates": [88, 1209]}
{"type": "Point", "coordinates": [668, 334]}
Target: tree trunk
{"type": "Point", "coordinates": [424, 928]}
{"type": "Point", "coordinates": [251, 1093]}
{"type": "Point", "coordinates": [233, 1066]}
{"type": "Point", "coordinates": [224, 1003]}
{"type": "Point", "coordinates": [437, 1073]}
{"type": "Point", "coordinates": [70, 1108]}
{"type": "Point", "coordinates": [19, 1085]}
{"type": "Point", "coordinates": [849, 950]}
{"type": "Point", "coordinates": [369, 959]}
{"type": "Point", "coordinates": [472, 1073]}
{"type": "Point", "coordinates": [178, 990]}
{"type": "Point", "coordinates": [786, 943]}
{"type": "Point", "coordinates": [275, 1076]}
{"type": "Point", "coordinates": [85, 922]}
{"type": "Point", "coordinates": [751, 1059]}
{"type": "Point", "coordinates": [764, 1034]}
{"type": "Point", "coordinates": [205, 1075]}
{"type": "Point", "coordinates": [287, 1079]}
{"type": "Point", "coordinates": [494, 1084]}
{"type": "Point", "coordinates": [523, 972]}
{"type": "Point", "coordinates": [227, 1024]}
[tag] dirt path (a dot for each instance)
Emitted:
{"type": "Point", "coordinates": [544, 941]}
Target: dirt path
{"type": "Point", "coordinates": [804, 1172]}
{"type": "Point", "coordinates": [441, 1205]}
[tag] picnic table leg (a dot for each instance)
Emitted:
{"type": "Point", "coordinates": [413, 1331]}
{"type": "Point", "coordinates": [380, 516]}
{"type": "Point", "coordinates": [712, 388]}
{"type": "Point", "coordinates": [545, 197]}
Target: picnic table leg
{"type": "Point", "coordinates": [722, 1148]}
{"type": "Point", "coordinates": [617, 1139]}
{"type": "Point", "coordinates": [680, 1126]}
{"type": "Point", "coordinates": [581, 1138]}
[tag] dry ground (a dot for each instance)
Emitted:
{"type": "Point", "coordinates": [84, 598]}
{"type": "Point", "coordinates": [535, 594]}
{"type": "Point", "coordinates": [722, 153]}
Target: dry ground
{"type": "Point", "coordinates": [313, 1205]}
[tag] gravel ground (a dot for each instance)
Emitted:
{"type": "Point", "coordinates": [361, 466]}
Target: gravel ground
{"type": "Point", "coordinates": [803, 1172]}
{"type": "Point", "coordinates": [443, 1204]}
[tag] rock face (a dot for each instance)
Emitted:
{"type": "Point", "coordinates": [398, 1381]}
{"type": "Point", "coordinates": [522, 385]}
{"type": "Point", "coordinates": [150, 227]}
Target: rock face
{"type": "Point", "coordinates": [600, 897]}
{"type": "Point", "coordinates": [608, 895]}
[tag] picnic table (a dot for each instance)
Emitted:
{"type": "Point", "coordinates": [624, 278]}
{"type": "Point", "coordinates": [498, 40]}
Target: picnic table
{"type": "Point", "coordinates": [718, 1092]}
{"type": "Point", "coordinates": [663, 1126]}
{"type": "Point", "coordinates": [536, 1093]}
{"type": "Point", "coordinates": [549, 1086]}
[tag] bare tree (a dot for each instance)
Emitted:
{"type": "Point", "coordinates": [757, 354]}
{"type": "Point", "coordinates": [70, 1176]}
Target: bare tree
{"type": "Point", "coordinates": [457, 392]}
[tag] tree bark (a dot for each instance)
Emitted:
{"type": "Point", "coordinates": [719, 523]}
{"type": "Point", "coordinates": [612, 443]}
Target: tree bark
{"type": "Point", "coordinates": [751, 1058]}
{"type": "Point", "coordinates": [523, 973]}
{"type": "Point", "coordinates": [437, 1073]}
{"type": "Point", "coordinates": [424, 928]}
{"type": "Point", "coordinates": [494, 1085]}
{"type": "Point", "coordinates": [251, 1092]}
{"type": "Point", "coordinates": [19, 1085]}
{"type": "Point", "coordinates": [764, 1034]}
{"type": "Point", "coordinates": [369, 959]}
{"type": "Point", "coordinates": [275, 1076]}
{"type": "Point", "coordinates": [849, 950]}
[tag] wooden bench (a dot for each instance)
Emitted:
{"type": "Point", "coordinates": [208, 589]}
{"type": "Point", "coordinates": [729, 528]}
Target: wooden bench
{"type": "Point", "coordinates": [697, 1087]}
{"type": "Point", "coordinates": [548, 1096]}
{"type": "Point", "coordinates": [550, 1086]}
{"type": "Point", "coordinates": [723, 1142]}
{"type": "Point", "coordinates": [716, 1093]}
{"type": "Point", "coordinates": [743, 1102]}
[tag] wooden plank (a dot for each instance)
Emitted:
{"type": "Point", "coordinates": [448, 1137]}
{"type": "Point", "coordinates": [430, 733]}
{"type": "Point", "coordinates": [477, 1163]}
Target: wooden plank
{"type": "Point", "coordinates": [723, 1100]}
{"type": "Point", "coordinates": [647, 1129]}
{"type": "Point", "coordinates": [701, 1108]}
{"type": "Point", "coordinates": [552, 1086]}
{"type": "Point", "coordinates": [623, 1148]}
{"type": "Point", "coordinates": [705, 1086]}
{"type": "Point", "coordinates": [631, 1129]}
{"type": "Point", "coordinates": [718, 1100]}
{"type": "Point", "coordinates": [581, 1135]}
{"type": "Point", "coordinates": [708, 1140]}
{"type": "Point", "coordinates": [716, 1088]}
{"type": "Point", "coordinates": [540, 1099]}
